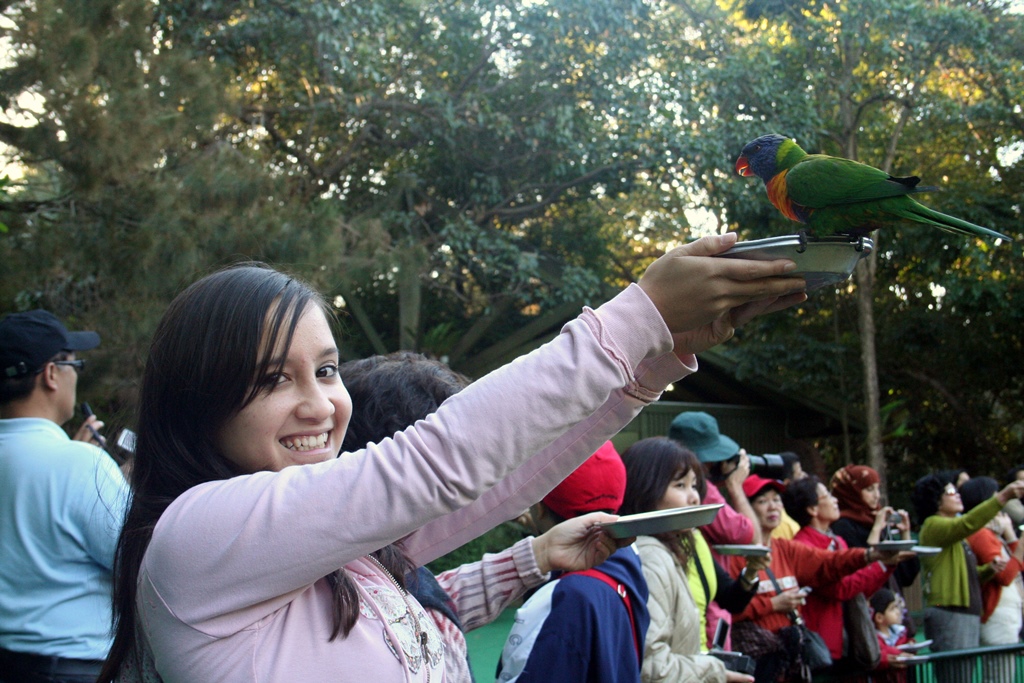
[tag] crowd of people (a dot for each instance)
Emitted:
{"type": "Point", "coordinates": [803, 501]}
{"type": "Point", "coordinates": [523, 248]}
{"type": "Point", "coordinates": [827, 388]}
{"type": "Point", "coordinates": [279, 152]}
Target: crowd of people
{"type": "Point", "coordinates": [280, 508]}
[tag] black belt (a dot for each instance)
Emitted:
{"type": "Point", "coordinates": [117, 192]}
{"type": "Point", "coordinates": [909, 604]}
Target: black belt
{"type": "Point", "coordinates": [50, 665]}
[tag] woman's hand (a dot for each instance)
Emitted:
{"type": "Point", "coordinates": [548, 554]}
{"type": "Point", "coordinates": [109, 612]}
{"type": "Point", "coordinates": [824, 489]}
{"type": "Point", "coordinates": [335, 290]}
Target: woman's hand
{"type": "Point", "coordinates": [903, 525]}
{"type": "Point", "coordinates": [891, 559]}
{"type": "Point", "coordinates": [758, 564]}
{"type": "Point", "coordinates": [702, 299]}
{"type": "Point", "coordinates": [737, 677]}
{"type": "Point", "coordinates": [882, 518]}
{"type": "Point", "coordinates": [895, 661]}
{"type": "Point", "coordinates": [788, 600]}
{"type": "Point", "coordinates": [576, 543]}
{"type": "Point", "coordinates": [1014, 489]}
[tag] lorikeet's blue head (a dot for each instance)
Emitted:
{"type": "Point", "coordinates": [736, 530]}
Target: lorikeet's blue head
{"type": "Point", "coordinates": [761, 156]}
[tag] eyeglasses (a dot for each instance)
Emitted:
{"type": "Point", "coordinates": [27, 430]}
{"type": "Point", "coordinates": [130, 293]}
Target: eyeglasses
{"type": "Point", "coordinates": [78, 364]}
{"type": "Point", "coordinates": [950, 490]}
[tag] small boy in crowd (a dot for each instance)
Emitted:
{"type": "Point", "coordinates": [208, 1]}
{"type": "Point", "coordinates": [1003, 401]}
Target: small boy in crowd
{"type": "Point", "coordinates": [887, 613]}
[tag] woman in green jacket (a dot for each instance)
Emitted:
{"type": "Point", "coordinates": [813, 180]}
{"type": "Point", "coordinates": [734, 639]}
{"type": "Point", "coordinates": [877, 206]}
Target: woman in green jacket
{"type": "Point", "coordinates": [950, 580]}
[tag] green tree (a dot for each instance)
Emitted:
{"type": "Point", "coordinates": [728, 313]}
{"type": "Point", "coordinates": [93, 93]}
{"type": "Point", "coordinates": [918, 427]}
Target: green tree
{"type": "Point", "coordinates": [905, 87]}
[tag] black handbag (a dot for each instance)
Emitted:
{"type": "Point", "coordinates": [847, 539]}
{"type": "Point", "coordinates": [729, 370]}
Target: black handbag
{"type": "Point", "coordinates": [862, 646]}
{"type": "Point", "coordinates": [813, 649]}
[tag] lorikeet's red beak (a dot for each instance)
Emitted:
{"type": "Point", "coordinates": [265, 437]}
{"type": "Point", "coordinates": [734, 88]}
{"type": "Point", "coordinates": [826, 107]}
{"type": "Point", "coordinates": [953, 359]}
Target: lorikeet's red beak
{"type": "Point", "coordinates": [742, 167]}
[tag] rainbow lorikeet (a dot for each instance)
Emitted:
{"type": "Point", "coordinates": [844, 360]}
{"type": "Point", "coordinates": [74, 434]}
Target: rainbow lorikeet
{"type": "Point", "coordinates": [833, 195]}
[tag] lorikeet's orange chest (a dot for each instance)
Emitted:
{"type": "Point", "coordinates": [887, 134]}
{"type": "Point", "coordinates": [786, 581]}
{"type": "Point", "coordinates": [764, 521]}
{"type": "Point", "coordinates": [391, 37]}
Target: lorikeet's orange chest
{"type": "Point", "coordinates": [779, 196]}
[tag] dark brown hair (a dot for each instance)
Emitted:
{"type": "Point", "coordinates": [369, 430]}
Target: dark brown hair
{"type": "Point", "coordinates": [213, 342]}
{"type": "Point", "coordinates": [651, 465]}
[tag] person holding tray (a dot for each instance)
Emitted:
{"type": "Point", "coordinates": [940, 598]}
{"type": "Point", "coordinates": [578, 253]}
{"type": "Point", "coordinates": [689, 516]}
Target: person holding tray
{"type": "Point", "coordinates": [766, 630]}
{"type": "Point", "coordinates": [250, 551]}
{"type": "Point", "coordinates": [390, 393]}
{"type": "Point", "coordinates": [682, 577]}
{"type": "Point", "coordinates": [726, 466]}
{"type": "Point", "coordinates": [950, 582]}
{"type": "Point", "coordinates": [811, 505]}
{"type": "Point", "coordinates": [582, 625]}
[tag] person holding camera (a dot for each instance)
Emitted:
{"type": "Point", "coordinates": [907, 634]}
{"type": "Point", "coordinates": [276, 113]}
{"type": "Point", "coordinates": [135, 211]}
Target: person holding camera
{"type": "Point", "coordinates": [952, 589]}
{"type": "Point", "coordinates": [767, 628]}
{"type": "Point", "coordinates": [61, 505]}
{"type": "Point", "coordinates": [864, 521]}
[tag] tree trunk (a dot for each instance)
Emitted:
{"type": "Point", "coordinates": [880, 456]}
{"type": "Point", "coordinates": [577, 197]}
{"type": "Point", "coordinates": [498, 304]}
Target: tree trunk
{"type": "Point", "coordinates": [410, 298]}
{"type": "Point", "coordinates": [865, 276]}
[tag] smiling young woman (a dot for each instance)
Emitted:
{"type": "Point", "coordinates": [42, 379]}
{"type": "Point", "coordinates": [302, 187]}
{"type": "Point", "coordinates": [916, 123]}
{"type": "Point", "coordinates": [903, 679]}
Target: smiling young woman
{"type": "Point", "coordinates": [249, 552]}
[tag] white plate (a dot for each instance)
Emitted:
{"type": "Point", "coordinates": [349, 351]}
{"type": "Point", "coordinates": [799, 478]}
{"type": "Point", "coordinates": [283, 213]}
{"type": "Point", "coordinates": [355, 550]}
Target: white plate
{"type": "Point", "coordinates": [914, 647]}
{"type": "Point", "coordinates": [821, 261]}
{"type": "Point", "coordinates": [752, 550]}
{"type": "Point", "coordinates": [926, 550]}
{"type": "Point", "coordinates": [886, 546]}
{"type": "Point", "coordinates": [662, 521]}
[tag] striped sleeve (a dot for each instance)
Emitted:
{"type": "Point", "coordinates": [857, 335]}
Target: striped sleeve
{"type": "Point", "coordinates": [482, 590]}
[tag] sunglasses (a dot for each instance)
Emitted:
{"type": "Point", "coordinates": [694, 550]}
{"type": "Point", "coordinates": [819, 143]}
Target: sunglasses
{"type": "Point", "coordinates": [78, 364]}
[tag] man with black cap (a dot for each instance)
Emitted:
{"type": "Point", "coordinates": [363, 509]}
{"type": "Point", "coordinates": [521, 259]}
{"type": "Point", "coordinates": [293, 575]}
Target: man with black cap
{"type": "Point", "coordinates": [62, 502]}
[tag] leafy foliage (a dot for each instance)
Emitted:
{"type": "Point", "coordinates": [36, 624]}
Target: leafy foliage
{"type": "Point", "coordinates": [901, 85]}
{"type": "Point", "coordinates": [460, 177]}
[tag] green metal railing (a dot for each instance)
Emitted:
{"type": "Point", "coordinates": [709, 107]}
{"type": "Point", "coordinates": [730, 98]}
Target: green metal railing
{"type": "Point", "coordinates": [995, 664]}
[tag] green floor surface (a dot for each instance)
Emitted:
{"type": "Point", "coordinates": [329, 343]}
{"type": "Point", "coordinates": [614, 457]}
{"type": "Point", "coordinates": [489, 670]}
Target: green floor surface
{"type": "Point", "coordinates": [485, 643]}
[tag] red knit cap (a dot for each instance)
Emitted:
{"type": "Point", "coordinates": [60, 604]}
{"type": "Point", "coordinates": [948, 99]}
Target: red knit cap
{"type": "Point", "coordinates": [597, 485]}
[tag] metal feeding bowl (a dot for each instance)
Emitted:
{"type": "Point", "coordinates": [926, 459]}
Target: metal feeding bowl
{"type": "Point", "coordinates": [820, 261]}
{"type": "Point", "coordinates": [662, 521]}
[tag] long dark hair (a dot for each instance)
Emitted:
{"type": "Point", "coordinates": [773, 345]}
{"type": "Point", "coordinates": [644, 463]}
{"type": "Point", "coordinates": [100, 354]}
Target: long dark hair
{"type": "Point", "coordinates": [651, 465]}
{"type": "Point", "coordinates": [214, 340]}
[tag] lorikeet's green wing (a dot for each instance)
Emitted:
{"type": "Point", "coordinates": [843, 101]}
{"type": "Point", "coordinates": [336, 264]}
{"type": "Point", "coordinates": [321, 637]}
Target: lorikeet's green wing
{"type": "Point", "coordinates": [819, 180]}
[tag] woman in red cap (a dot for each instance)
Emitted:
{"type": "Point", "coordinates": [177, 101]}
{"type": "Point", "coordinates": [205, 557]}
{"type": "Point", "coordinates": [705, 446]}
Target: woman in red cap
{"type": "Point", "coordinates": [765, 629]}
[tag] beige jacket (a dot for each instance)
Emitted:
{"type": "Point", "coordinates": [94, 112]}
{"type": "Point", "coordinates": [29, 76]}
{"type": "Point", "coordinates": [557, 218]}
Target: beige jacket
{"type": "Point", "coordinates": [672, 647]}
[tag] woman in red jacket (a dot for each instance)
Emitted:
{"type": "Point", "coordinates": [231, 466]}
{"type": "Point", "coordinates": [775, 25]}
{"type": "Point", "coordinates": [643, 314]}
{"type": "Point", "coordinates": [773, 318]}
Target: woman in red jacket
{"type": "Point", "coordinates": [811, 505]}
{"type": "Point", "coordinates": [762, 629]}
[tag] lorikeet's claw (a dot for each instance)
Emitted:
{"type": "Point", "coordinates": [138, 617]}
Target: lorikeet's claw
{"type": "Point", "coordinates": [802, 235]}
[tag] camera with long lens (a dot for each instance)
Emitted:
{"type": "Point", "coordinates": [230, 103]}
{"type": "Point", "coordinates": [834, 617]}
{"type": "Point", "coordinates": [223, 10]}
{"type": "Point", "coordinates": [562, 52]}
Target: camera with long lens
{"type": "Point", "coordinates": [769, 465]}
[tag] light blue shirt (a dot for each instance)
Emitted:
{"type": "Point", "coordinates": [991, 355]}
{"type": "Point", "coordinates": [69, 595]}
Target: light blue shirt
{"type": "Point", "coordinates": [62, 504]}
